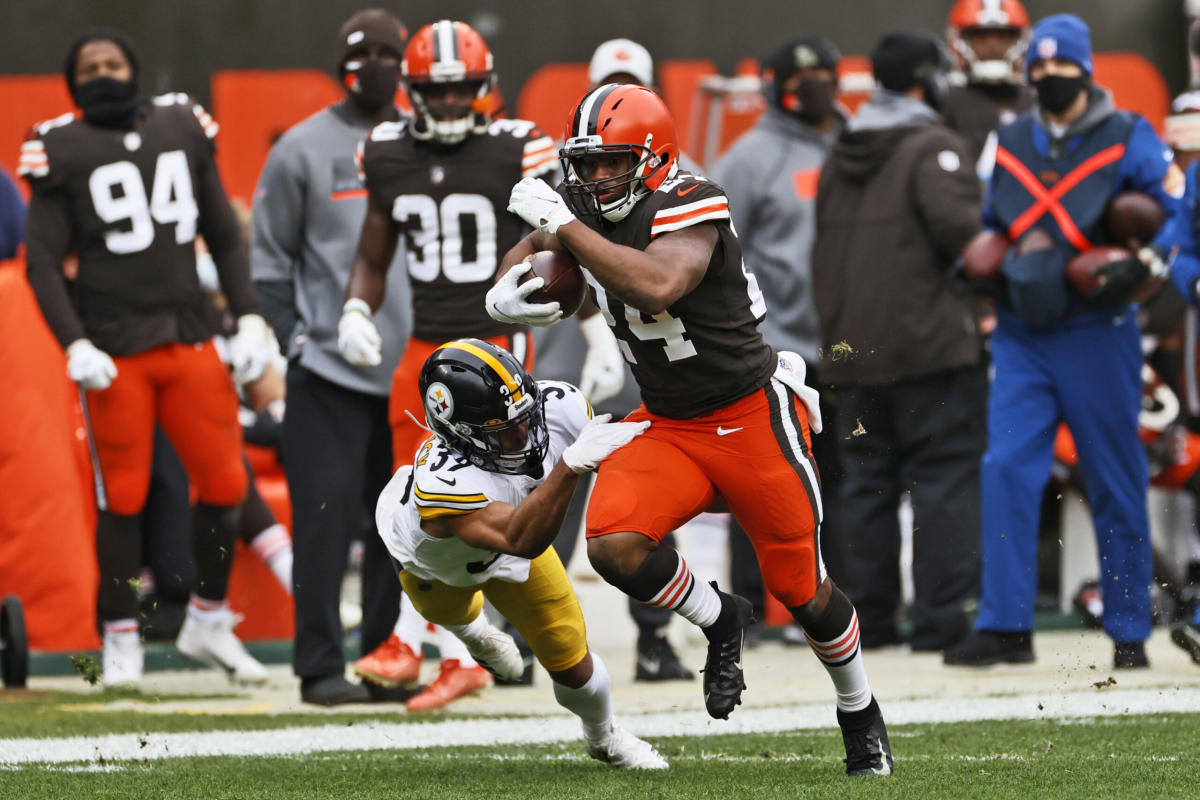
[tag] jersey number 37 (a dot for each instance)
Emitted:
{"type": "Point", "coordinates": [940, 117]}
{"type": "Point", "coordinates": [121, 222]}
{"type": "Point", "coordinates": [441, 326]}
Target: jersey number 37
{"type": "Point", "coordinates": [119, 196]}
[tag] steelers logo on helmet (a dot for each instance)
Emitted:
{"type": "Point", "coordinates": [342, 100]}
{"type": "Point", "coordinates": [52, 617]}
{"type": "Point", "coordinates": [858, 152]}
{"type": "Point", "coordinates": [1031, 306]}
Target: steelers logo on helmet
{"type": "Point", "coordinates": [619, 146]}
{"type": "Point", "coordinates": [486, 407]}
{"type": "Point", "coordinates": [439, 402]}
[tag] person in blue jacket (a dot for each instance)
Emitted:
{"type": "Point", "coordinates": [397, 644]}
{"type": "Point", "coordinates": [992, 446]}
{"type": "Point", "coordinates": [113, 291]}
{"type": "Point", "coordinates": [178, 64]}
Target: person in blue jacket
{"type": "Point", "coordinates": [1061, 356]}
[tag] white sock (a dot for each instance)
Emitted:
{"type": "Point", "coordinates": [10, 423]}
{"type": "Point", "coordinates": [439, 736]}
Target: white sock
{"type": "Point", "coordinates": [473, 631]}
{"type": "Point", "coordinates": [592, 702]}
{"type": "Point", "coordinates": [451, 648]}
{"type": "Point", "coordinates": [842, 658]}
{"type": "Point", "coordinates": [274, 547]}
{"type": "Point", "coordinates": [410, 625]}
{"type": "Point", "coordinates": [695, 601]}
{"type": "Point", "coordinates": [121, 627]}
{"type": "Point", "coordinates": [207, 612]}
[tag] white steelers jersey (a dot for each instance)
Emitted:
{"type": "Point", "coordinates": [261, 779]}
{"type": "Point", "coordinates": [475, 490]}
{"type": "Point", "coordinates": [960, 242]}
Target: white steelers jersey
{"type": "Point", "coordinates": [442, 483]}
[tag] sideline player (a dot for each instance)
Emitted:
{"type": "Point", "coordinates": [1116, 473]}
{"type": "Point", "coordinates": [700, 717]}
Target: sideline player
{"type": "Point", "coordinates": [475, 515]}
{"type": "Point", "coordinates": [731, 417]}
{"type": "Point", "coordinates": [441, 180]}
{"type": "Point", "coordinates": [129, 185]}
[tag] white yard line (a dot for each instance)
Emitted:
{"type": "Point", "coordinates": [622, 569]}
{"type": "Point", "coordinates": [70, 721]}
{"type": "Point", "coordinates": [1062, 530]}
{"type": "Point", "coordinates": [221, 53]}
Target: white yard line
{"type": "Point", "coordinates": [371, 735]}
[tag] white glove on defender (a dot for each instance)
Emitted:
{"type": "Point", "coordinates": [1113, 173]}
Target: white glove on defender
{"type": "Point", "coordinates": [358, 338]}
{"type": "Point", "coordinates": [790, 372]}
{"type": "Point", "coordinates": [598, 440]}
{"type": "Point", "coordinates": [89, 366]}
{"type": "Point", "coordinates": [252, 348]}
{"type": "Point", "coordinates": [506, 300]}
{"type": "Point", "coordinates": [603, 373]}
{"type": "Point", "coordinates": [535, 202]}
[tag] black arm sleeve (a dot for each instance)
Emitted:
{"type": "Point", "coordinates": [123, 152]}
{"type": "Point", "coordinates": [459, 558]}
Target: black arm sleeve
{"type": "Point", "coordinates": [221, 231]}
{"type": "Point", "coordinates": [48, 240]}
{"type": "Point", "coordinates": [278, 299]}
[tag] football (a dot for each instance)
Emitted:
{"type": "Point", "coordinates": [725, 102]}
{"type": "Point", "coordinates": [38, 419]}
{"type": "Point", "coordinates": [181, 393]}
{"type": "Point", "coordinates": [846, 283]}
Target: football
{"type": "Point", "coordinates": [564, 280]}
{"type": "Point", "coordinates": [1133, 218]}
{"type": "Point", "coordinates": [984, 254]}
{"type": "Point", "coordinates": [1081, 270]}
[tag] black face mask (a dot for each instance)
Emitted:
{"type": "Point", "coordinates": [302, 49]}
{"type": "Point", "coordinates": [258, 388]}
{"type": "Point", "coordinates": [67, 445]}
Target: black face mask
{"type": "Point", "coordinates": [812, 101]}
{"type": "Point", "coordinates": [373, 84]}
{"type": "Point", "coordinates": [108, 102]}
{"type": "Point", "coordinates": [1056, 93]}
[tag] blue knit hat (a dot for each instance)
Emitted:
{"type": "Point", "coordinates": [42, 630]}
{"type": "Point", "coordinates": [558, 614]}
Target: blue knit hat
{"type": "Point", "coordinates": [1063, 36]}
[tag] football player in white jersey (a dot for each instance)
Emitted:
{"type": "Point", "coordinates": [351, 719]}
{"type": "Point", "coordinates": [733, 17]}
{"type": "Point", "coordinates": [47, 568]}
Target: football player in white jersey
{"type": "Point", "coordinates": [475, 515]}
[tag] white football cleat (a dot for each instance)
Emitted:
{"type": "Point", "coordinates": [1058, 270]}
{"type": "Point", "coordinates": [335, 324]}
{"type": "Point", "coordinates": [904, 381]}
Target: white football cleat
{"type": "Point", "coordinates": [123, 660]}
{"type": "Point", "coordinates": [622, 749]}
{"type": "Point", "coordinates": [498, 654]}
{"type": "Point", "coordinates": [211, 641]}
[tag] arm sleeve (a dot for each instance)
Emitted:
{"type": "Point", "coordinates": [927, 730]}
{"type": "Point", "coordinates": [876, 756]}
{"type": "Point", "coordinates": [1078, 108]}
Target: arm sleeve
{"type": "Point", "coordinates": [48, 237]}
{"type": "Point", "coordinates": [946, 193]}
{"type": "Point", "coordinates": [277, 226]}
{"type": "Point", "coordinates": [1147, 167]}
{"type": "Point", "coordinates": [1185, 267]}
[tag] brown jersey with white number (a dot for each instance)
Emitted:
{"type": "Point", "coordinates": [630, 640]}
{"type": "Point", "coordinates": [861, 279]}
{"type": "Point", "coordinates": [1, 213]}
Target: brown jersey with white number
{"type": "Point", "coordinates": [450, 205]}
{"type": "Point", "coordinates": [705, 351]}
{"type": "Point", "coordinates": [129, 203]}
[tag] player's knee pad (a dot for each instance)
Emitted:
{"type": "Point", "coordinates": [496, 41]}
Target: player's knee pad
{"type": "Point", "coordinates": [790, 576]}
{"type": "Point", "coordinates": [225, 486]}
{"type": "Point", "coordinates": [125, 491]}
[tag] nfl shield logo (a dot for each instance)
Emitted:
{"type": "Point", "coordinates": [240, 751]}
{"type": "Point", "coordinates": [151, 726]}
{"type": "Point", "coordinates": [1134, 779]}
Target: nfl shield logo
{"type": "Point", "coordinates": [1047, 47]}
{"type": "Point", "coordinates": [437, 174]}
{"type": "Point", "coordinates": [132, 141]}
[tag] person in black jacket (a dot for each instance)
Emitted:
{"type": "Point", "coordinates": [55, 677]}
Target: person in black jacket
{"type": "Point", "coordinates": [896, 203]}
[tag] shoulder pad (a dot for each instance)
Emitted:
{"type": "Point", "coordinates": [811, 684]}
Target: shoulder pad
{"type": "Point", "coordinates": [444, 485]}
{"type": "Point", "coordinates": [205, 120]}
{"type": "Point", "coordinates": [42, 128]}
{"type": "Point", "coordinates": [539, 157]}
{"type": "Point", "coordinates": [387, 131]}
{"type": "Point", "coordinates": [516, 128]}
{"type": "Point", "coordinates": [687, 200]}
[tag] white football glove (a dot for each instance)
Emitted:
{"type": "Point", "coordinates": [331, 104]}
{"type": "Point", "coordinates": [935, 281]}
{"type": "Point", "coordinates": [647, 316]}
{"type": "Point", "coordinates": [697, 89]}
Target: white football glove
{"type": "Point", "coordinates": [603, 373]}
{"type": "Point", "coordinates": [358, 338]}
{"type": "Point", "coordinates": [535, 202]}
{"type": "Point", "coordinates": [89, 366]}
{"type": "Point", "coordinates": [506, 300]}
{"type": "Point", "coordinates": [598, 440]}
{"type": "Point", "coordinates": [252, 348]}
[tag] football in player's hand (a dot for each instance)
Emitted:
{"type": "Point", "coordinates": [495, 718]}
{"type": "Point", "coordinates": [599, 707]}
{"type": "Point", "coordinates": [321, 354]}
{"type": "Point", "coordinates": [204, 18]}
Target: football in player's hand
{"type": "Point", "coordinates": [1084, 271]}
{"type": "Point", "coordinates": [563, 277]}
{"type": "Point", "coordinates": [1133, 217]}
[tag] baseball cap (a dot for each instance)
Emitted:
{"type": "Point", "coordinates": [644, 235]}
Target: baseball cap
{"type": "Point", "coordinates": [621, 55]}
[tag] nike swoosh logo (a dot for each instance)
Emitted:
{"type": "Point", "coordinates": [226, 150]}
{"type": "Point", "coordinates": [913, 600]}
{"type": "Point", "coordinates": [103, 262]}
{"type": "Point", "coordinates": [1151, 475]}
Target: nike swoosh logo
{"type": "Point", "coordinates": [726, 431]}
{"type": "Point", "coordinates": [681, 192]}
{"type": "Point", "coordinates": [448, 483]}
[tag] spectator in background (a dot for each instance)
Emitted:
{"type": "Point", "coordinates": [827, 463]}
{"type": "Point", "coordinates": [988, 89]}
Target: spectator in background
{"type": "Point", "coordinates": [896, 203]}
{"type": "Point", "coordinates": [12, 217]}
{"type": "Point", "coordinates": [309, 207]}
{"type": "Point", "coordinates": [770, 176]}
{"type": "Point", "coordinates": [1060, 356]}
{"type": "Point", "coordinates": [987, 39]}
{"type": "Point", "coordinates": [588, 354]}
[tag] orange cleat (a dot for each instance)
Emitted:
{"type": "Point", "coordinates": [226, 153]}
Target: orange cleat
{"type": "Point", "coordinates": [453, 681]}
{"type": "Point", "coordinates": [391, 664]}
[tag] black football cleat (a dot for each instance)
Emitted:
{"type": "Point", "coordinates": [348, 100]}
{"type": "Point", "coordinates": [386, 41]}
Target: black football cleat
{"type": "Point", "coordinates": [868, 751]}
{"type": "Point", "coordinates": [723, 678]}
{"type": "Point", "coordinates": [1187, 636]}
{"type": "Point", "coordinates": [984, 648]}
{"type": "Point", "coordinates": [1130, 655]}
{"type": "Point", "coordinates": [657, 661]}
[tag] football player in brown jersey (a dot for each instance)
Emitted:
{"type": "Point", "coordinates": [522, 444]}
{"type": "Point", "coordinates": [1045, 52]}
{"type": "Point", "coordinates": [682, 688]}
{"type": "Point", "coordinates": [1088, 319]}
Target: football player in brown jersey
{"type": "Point", "coordinates": [127, 186]}
{"type": "Point", "coordinates": [731, 417]}
{"type": "Point", "coordinates": [441, 180]}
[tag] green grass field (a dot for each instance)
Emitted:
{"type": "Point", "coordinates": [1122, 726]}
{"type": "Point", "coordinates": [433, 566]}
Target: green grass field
{"type": "Point", "coordinates": [1146, 756]}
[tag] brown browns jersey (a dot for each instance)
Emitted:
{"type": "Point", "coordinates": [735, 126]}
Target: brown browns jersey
{"type": "Point", "coordinates": [129, 203]}
{"type": "Point", "coordinates": [450, 205]}
{"type": "Point", "coordinates": [705, 351]}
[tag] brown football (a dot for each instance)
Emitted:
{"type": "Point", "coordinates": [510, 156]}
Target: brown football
{"type": "Point", "coordinates": [984, 254]}
{"type": "Point", "coordinates": [1133, 218]}
{"type": "Point", "coordinates": [564, 280]}
{"type": "Point", "coordinates": [1081, 270]}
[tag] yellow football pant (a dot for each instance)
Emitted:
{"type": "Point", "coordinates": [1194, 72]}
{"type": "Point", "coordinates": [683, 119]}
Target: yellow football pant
{"type": "Point", "coordinates": [544, 609]}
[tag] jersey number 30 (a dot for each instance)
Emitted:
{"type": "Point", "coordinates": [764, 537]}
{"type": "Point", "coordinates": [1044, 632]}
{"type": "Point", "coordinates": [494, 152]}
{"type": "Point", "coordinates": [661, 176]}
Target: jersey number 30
{"type": "Point", "coordinates": [438, 242]}
{"type": "Point", "coordinates": [119, 195]}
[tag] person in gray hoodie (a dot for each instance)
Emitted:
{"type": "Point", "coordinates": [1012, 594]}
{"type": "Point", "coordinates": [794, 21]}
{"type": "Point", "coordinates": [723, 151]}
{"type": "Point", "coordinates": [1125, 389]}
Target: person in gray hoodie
{"type": "Point", "coordinates": [770, 176]}
{"type": "Point", "coordinates": [308, 209]}
{"type": "Point", "coordinates": [896, 203]}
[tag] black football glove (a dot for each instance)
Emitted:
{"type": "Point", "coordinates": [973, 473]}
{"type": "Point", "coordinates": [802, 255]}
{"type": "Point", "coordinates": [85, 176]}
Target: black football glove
{"type": "Point", "coordinates": [1121, 279]}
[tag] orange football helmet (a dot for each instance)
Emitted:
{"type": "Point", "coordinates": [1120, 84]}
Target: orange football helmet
{"type": "Point", "coordinates": [618, 119]}
{"type": "Point", "coordinates": [975, 16]}
{"type": "Point", "coordinates": [440, 58]}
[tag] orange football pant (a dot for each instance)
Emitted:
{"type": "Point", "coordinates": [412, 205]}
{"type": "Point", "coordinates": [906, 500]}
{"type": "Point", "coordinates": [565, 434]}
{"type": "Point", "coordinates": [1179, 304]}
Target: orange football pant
{"type": "Point", "coordinates": [754, 453]}
{"type": "Point", "coordinates": [188, 390]}
{"type": "Point", "coordinates": [408, 436]}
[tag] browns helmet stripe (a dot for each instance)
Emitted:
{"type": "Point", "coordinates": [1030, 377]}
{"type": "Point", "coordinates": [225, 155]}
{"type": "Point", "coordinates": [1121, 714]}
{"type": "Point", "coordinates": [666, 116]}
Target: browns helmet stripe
{"type": "Point", "coordinates": [588, 112]}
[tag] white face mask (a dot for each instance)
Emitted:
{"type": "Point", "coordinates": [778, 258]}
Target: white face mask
{"type": "Point", "coordinates": [206, 271]}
